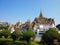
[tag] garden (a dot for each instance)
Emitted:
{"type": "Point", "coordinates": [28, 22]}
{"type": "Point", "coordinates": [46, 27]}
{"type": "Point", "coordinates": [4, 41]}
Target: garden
{"type": "Point", "coordinates": [51, 37]}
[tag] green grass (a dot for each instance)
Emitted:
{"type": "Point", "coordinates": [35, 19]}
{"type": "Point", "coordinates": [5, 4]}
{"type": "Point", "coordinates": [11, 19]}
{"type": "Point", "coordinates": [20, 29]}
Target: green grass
{"type": "Point", "coordinates": [6, 39]}
{"type": "Point", "coordinates": [9, 41]}
{"type": "Point", "coordinates": [19, 43]}
{"type": "Point", "coordinates": [33, 43]}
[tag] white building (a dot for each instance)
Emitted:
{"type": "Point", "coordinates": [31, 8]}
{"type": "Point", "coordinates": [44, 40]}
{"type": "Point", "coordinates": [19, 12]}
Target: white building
{"type": "Point", "coordinates": [11, 28]}
{"type": "Point", "coordinates": [41, 24]}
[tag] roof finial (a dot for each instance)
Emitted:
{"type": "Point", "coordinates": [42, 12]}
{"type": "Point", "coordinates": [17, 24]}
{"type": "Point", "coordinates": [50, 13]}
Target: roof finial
{"type": "Point", "coordinates": [41, 14]}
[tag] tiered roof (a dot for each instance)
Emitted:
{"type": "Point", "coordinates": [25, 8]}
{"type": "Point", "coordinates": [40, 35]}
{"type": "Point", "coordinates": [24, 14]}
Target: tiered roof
{"type": "Point", "coordinates": [43, 20]}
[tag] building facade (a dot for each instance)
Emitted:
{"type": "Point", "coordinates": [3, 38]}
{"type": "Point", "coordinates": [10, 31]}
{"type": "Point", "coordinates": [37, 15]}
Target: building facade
{"type": "Point", "coordinates": [41, 24]}
{"type": "Point", "coordinates": [4, 25]}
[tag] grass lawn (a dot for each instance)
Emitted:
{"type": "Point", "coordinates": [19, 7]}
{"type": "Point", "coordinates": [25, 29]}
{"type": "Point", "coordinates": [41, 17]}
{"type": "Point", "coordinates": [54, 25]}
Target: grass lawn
{"type": "Point", "coordinates": [9, 41]}
{"type": "Point", "coordinates": [33, 43]}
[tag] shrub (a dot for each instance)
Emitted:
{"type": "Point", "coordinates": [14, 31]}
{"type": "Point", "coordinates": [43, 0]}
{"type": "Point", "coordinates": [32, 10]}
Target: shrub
{"type": "Point", "coordinates": [58, 38]}
{"type": "Point", "coordinates": [16, 35]}
{"type": "Point", "coordinates": [50, 36]}
{"type": "Point", "coordinates": [58, 26]}
{"type": "Point", "coordinates": [6, 33]}
{"type": "Point", "coordinates": [28, 35]}
{"type": "Point", "coordinates": [0, 34]}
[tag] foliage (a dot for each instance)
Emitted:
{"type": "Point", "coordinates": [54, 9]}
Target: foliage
{"type": "Point", "coordinates": [5, 41]}
{"type": "Point", "coordinates": [58, 26]}
{"type": "Point", "coordinates": [58, 37]}
{"type": "Point", "coordinates": [33, 43]}
{"type": "Point", "coordinates": [0, 34]}
{"type": "Point", "coordinates": [28, 35]}
{"type": "Point", "coordinates": [50, 36]}
{"type": "Point", "coordinates": [6, 33]}
{"type": "Point", "coordinates": [16, 34]}
{"type": "Point", "coordinates": [8, 41]}
{"type": "Point", "coordinates": [19, 43]}
{"type": "Point", "coordinates": [4, 27]}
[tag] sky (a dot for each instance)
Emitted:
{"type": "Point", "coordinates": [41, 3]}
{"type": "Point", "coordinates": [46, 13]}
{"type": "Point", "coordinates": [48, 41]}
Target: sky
{"type": "Point", "coordinates": [13, 11]}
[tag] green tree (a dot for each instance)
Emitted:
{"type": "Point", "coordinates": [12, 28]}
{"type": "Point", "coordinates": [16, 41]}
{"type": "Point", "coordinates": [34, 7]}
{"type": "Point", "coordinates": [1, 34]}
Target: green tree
{"type": "Point", "coordinates": [0, 34]}
{"type": "Point", "coordinates": [58, 37]}
{"type": "Point", "coordinates": [58, 26]}
{"type": "Point", "coordinates": [50, 36]}
{"type": "Point", "coordinates": [5, 33]}
{"type": "Point", "coordinates": [4, 27]}
{"type": "Point", "coordinates": [16, 35]}
{"type": "Point", "coordinates": [28, 35]}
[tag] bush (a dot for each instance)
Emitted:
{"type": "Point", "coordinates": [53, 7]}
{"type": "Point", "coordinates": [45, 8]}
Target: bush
{"type": "Point", "coordinates": [58, 38]}
{"type": "Point", "coordinates": [16, 35]}
{"type": "Point", "coordinates": [58, 26]}
{"type": "Point", "coordinates": [28, 35]}
{"type": "Point", "coordinates": [6, 33]}
{"type": "Point", "coordinates": [50, 36]}
{"type": "Point", "coordinates": [0, 34]}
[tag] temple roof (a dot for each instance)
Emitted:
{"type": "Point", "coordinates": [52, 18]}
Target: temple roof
{"type": "Point", "coordinates": [41, 15]}
{"type": "Point", "coordinates": [43, 20]}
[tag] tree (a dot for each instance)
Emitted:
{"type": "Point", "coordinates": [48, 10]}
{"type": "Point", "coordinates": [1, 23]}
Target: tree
{"type": "Point", "coordinates": [4, 27]}
{"type": "Point", "coordinates": [16, 35]}
{"type": "Point", "coordinates": [28, 35]}
{"type": "Point", "coordinates": [0, 34]}
{"type": "Point", "coordinates": [58, 26]}
{"type": "Point", "coordinates": [5, 33]}
{"type": "Point", "coordinates": [50, 36]}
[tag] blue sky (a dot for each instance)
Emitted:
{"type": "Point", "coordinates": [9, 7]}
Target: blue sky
{"type": "Point", "coordinates": [14, 10]}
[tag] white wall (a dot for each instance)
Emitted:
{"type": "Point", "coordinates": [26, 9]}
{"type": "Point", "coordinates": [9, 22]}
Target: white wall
{"type": "Point", "coordinates": [42, 28]}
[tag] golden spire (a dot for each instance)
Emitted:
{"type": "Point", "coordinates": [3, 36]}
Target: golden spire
{"type": "Point", "coordinates": [41, 14]}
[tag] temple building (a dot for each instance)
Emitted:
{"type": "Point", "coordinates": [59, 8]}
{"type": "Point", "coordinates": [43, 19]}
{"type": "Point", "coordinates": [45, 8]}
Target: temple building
{"type": "Point", "coordinates": [41, 24]}
{"type": "Point", "coordinates": [22, 26]}
{"type": "Point", "coordinates": [18, 25]}
{"type": "Point", "coordinates": [11, 28]}
{"type": "Point", "coordinates": [25, 26]}
{"type": "Point", "coordinates": [3, 25]}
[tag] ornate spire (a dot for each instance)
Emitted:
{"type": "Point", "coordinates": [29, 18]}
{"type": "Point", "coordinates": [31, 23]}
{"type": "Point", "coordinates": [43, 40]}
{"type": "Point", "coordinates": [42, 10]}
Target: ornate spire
{"type": "Point", "coordinates": [41, 14]}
